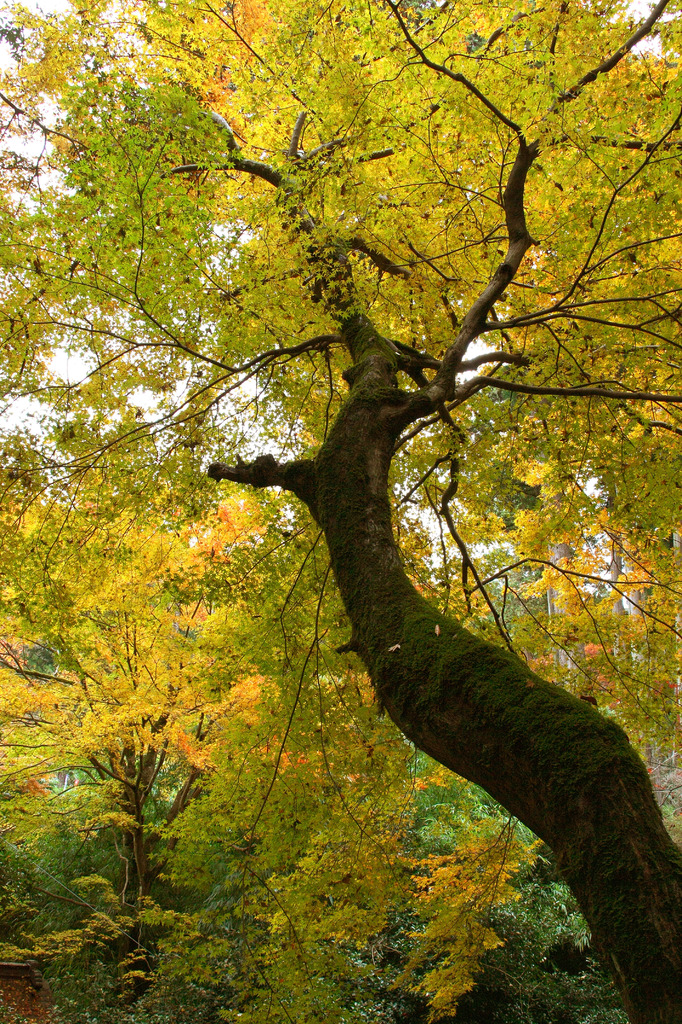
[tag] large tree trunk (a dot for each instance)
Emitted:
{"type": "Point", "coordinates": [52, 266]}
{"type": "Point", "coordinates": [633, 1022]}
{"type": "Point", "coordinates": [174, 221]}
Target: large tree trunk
{"type": "Point", "coordinates": [557, 764]}
{"type": "Point", "coordinates": [552, 760]}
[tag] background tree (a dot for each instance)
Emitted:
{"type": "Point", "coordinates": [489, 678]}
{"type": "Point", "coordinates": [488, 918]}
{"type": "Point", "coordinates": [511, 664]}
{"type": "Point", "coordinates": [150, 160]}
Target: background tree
{"type": "Point", "coordinates": [157, 828]}
{"type": "Point", "coordinates": [451, 173]}
{"type": "Point", "coordinates": [114, 686]}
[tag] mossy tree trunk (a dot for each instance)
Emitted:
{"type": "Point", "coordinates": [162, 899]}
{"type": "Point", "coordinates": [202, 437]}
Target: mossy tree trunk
{"type": "Point", "coordinates": [552, 760]}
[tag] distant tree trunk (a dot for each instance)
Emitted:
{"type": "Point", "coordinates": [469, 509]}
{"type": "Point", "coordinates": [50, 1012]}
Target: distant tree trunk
{"type": "Point", "coordinates": [557, 552]}
{"type": "Point", "coordinates": [677, 553]}
{"type": "Point", "coordinates": [615, 571]}
{"type": "Point", "coordinates": [662, 758]}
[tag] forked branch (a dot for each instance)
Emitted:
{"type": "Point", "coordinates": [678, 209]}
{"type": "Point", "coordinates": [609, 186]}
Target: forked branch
{"type": "Point", "coordinates": [454, 76]}
{"type": "Point", "coordinates": [443, 387]}
{"type": "Point", "coordinates": [20, 112]}
{"type": "Point", "coordinates": [467, 564]}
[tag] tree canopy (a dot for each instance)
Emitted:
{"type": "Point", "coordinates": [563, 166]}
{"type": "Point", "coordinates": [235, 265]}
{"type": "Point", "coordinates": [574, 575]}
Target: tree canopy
{"type": "Point", "coordinates": [416, 265]}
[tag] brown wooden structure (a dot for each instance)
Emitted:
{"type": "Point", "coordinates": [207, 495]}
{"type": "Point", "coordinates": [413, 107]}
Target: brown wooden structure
{"type": "Point", "coordinates": [24, 993]}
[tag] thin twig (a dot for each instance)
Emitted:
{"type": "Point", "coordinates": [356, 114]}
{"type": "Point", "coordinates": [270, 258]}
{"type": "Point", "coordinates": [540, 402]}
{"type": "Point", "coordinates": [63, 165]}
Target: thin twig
{"type": "Point", "coordinates": [467, 563]}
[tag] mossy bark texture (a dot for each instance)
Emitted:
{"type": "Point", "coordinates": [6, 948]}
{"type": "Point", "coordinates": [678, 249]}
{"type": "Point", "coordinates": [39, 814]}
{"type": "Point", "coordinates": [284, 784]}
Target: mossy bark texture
{"type": "Point", "coordinates": [552, 760]}
{"type": "Point", "coordinates": [557, 764]}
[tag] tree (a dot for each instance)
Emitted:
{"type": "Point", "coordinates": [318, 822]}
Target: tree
{"type": "Point", "coordinates": [114, 686]}
{"type": "Point", "coordinates": [452, 173]}
{"type": "Point", "coordinates": [150, 802]}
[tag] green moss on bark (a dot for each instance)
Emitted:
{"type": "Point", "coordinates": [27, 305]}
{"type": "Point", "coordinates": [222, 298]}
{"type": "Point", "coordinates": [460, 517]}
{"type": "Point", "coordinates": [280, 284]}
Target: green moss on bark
{"type": "Point", "coordinates": [556, 763]}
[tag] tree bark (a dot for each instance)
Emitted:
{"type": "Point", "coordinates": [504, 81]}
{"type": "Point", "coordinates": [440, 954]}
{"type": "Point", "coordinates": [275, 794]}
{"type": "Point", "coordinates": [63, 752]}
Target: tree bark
{"type": "Point", "coordinates": [552, 760]}
{"type": "Point", "coordinates": [557, 764]}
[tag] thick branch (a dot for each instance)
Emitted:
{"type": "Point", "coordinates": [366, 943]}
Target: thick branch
{"type": "Point", "coordinates": [324, 147]}
{"type": "Point", "coordinates": [615, 58]}
{"type": "Point", "coordinates": [442, 388]}
{"type": "Point", "coordinates": [332, 258]}
{"type": "Point", "coordinates": [218, 119]}
{"type": "Point", "coordinates": [236, 163]}
{"type": "Point", "coordinates": [556, 308]}
{"type": "Point", "coordinates": [417, 358]}
{"type": "Point", "coordinates": [319, 343]}
{"type": "Point", "coordinates": [296, 134]}
{"type": "Point", "coordinates": [377, 154]}
{"type": "Point", "coordinates": [27, 673]}
{"type": "Point", "coordinates": [662, 425]}
{"type": "Point", "coordinates": [265, 471]}
{"type": "Point", "coordinates": [515, 358]}
{"type": "Point", "coordinates": [519, 241]}
{"type": "Point", "coordinates": [378, 259]}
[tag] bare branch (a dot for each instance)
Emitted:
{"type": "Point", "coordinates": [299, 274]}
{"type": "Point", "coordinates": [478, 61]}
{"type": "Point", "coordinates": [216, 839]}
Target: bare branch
{"type": "Point", "coordinates": [20, 112]}
{"type": "Point", "coordinates": [422, 480]}
{"type": "Point", "coordinates": [593, 579]}
{"type": "Point", "coordinates": [662, 425]}
{"type": "Point", "coordinates": [236, 163]}
{"type": "Point", "coordinates": [235, 31]}
{"type": "Point", "coordinates": [296, 134]}
{"type": "Point", "coordinates": [453, 75]}
{"type": "Point", "coordinates": [63, 899]}
{"type": "Point", "coordinates": [430, 263]}
{"type": "Point", "coordinates": [325, 147]}
{"type": "Point", "coordinates": [615, 58]}
{"type": "Point", "coordinates": [378, 259]}
{"type": "Point", "coordinates": [616, 192]}
{"type": "Point", "coordinates": [514, 358]}
{"type": "Point", "coordinates": [468, 564]}
{"type": "Point", "coordinates": [492, 39]}
{"type": "Point", "coordinates": [378, 154]}
{"type": "Point", "coordinates": [577, 392]}
{"type": "Point", "coordinates": [635, 144]}
{"type": "Point", "coordinates": [29, 674]}
{"type": "Point", "coordinates": [232, 144]}
{"type": "Point", "coordinates": [328, 147]}
{"type": "Point", "coordinates": [442, 387]}
{"type": "Point", "coordinates": [265, 471]}
{"type": "Point", "coordinates": [319, 343]}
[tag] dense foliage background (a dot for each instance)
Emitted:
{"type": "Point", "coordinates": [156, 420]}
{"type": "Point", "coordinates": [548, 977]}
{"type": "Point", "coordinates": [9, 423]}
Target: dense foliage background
{"type": "Point", "coordinates": [203, 814]}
